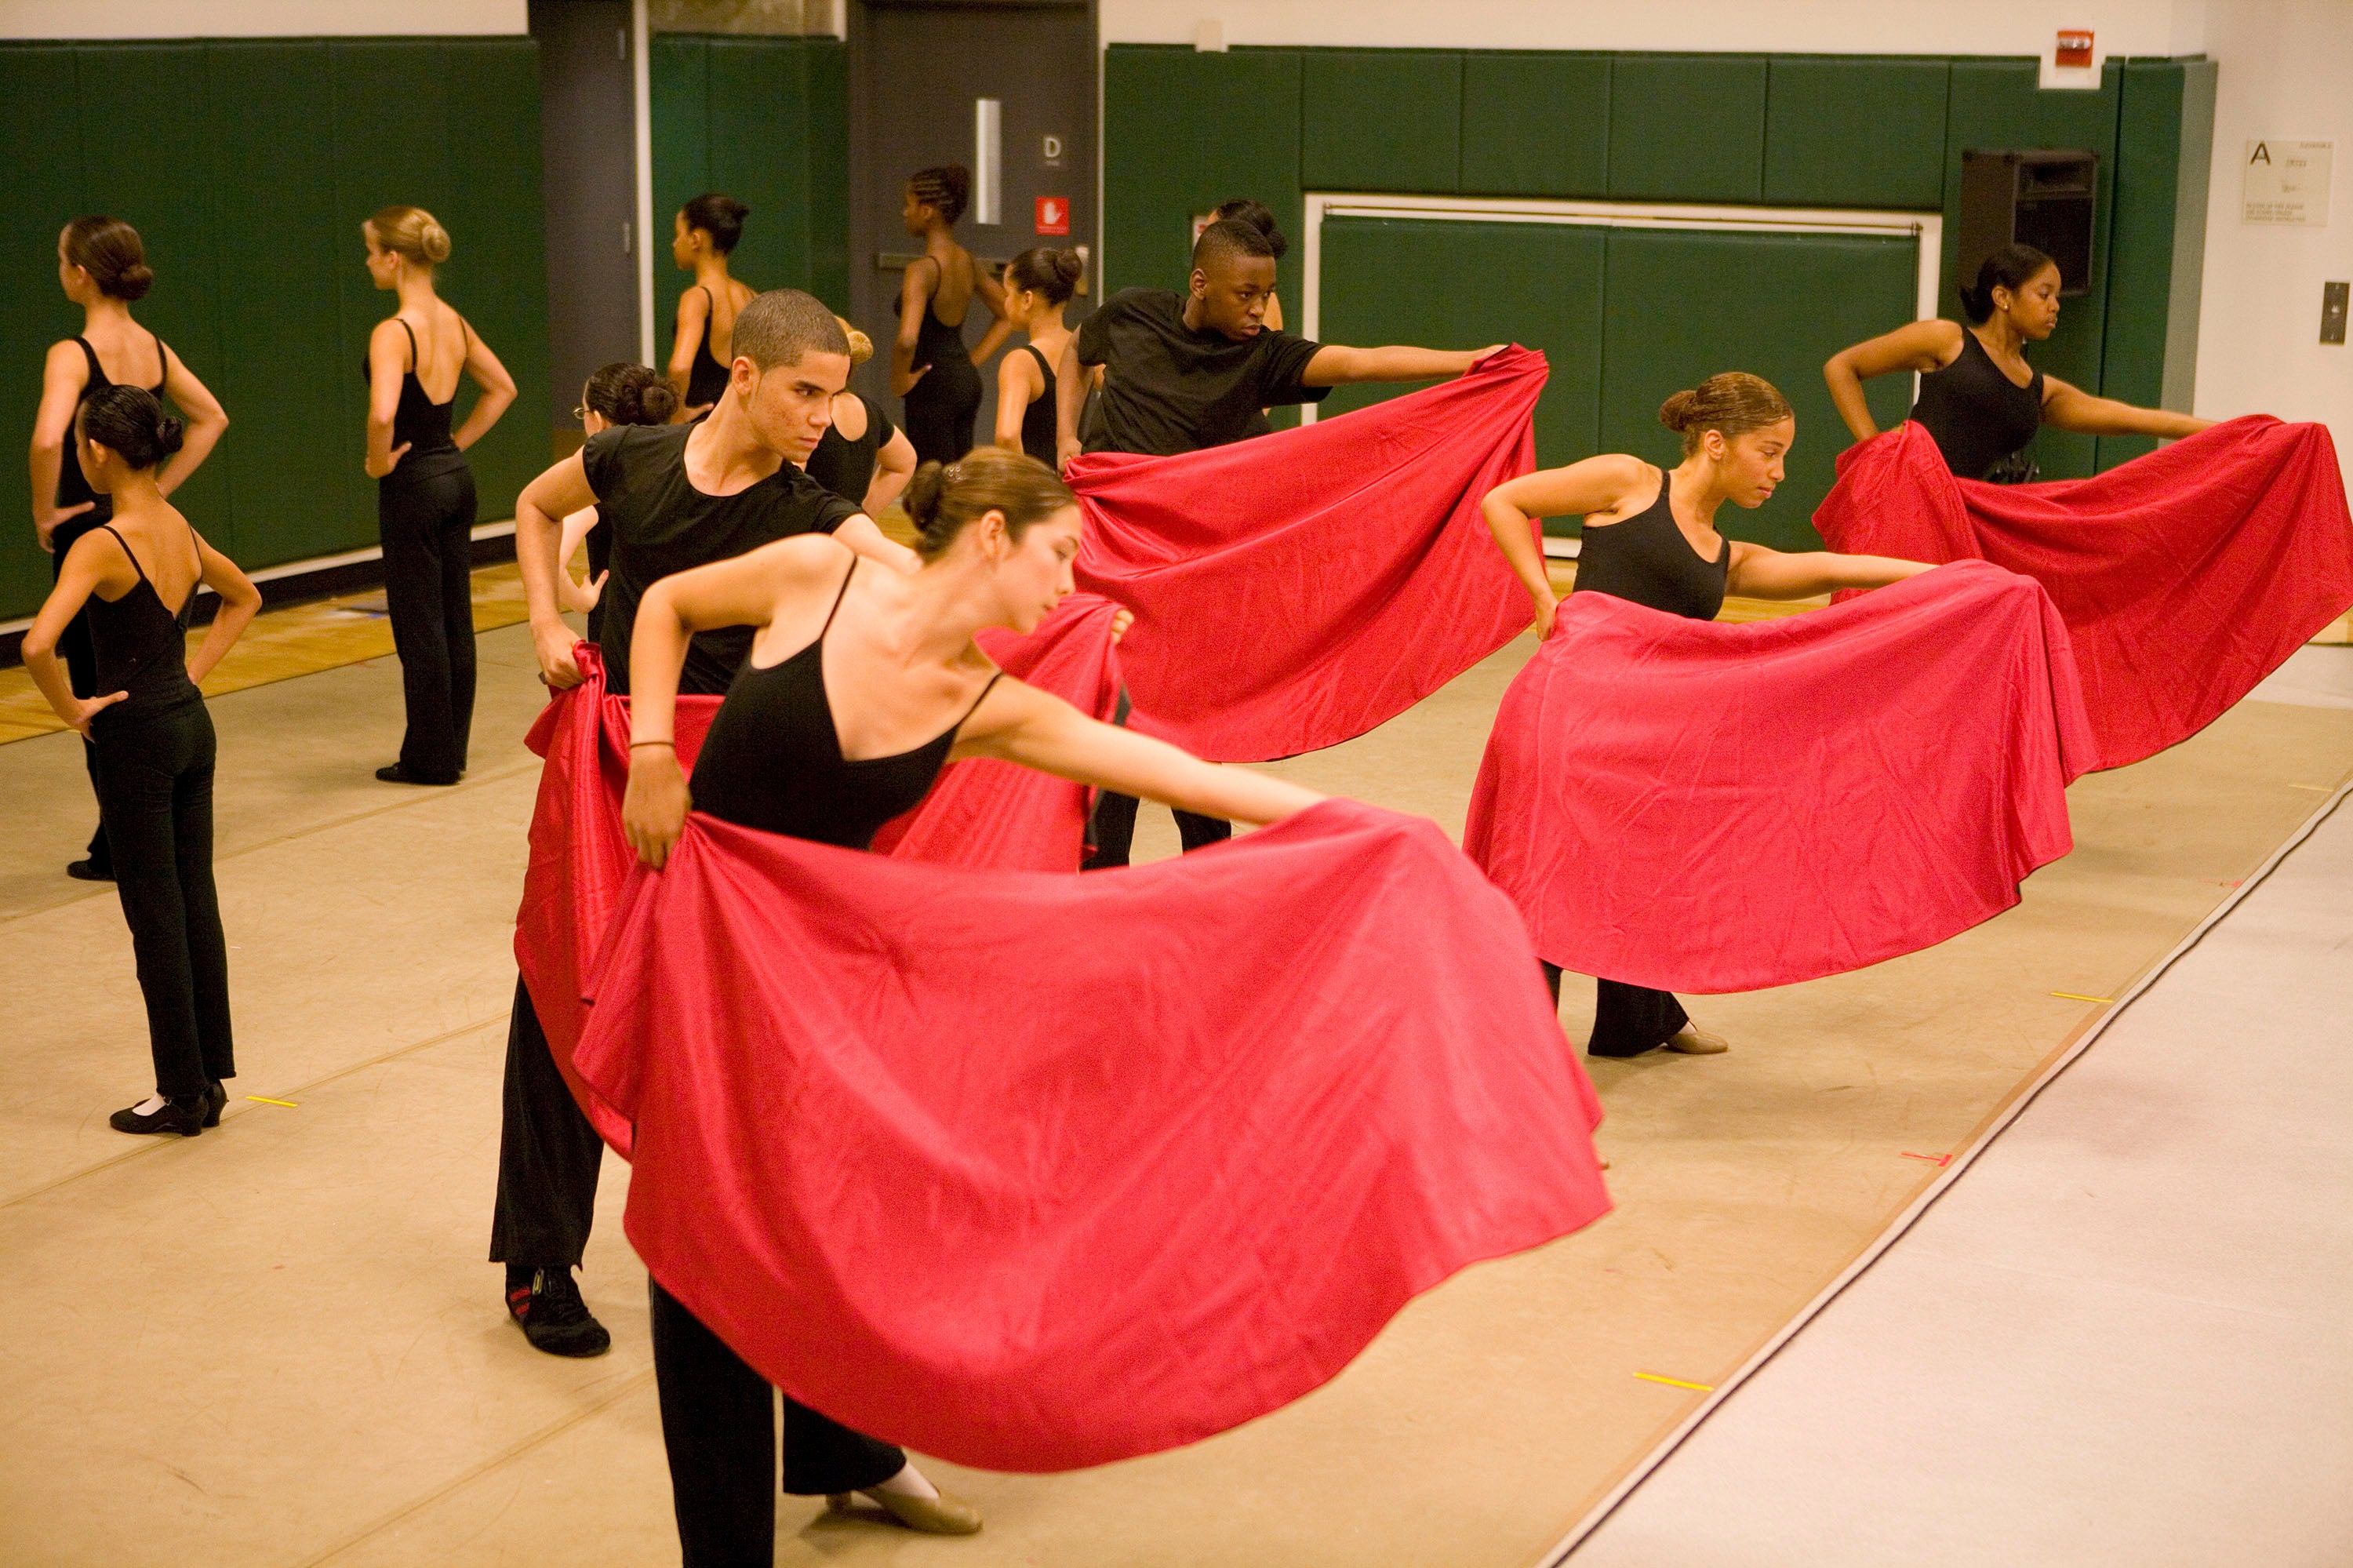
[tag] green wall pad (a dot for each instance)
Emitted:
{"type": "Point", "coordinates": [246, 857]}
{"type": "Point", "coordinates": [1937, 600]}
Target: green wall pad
{"type": "Point", "coordinates": [1856, 133]}
{"type": "Point", "coordinates": [1381, 119]}
{"type": "Point", "coordinates": [1536, 124]}
{"type": "Point", "coordinates": [1687, 127]}
{"type": "Point", "coordinates": [1681, 305]}
{"type": "Point", "coordinates": [258, 161]}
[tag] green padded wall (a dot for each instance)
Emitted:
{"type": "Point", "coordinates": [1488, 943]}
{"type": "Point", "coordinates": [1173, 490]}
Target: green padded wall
{"type": "Point", "coordinates": [1687, 127]}
{"type": "Point", "coordinates": [1391, 281]}
{"type": "Point", "coordinates": [1996, 104]}
{"type": "Point", "coordinates": [247, 168]}
{"type": "Point", "coordinates": [1381, 119]}
{"type": "Point", "coordinates": [764, 120]}
{"type": "Point", "coordinates": [1536, 124]}
{"type": "Point", "coordinates": [1855, 131]}
{"type": "Point", "coordinates": [1685, 304]}
{"type": "Point", "coordinates": [2165, 127]}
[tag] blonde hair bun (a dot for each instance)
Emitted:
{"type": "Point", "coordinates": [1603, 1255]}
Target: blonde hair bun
{"type": "Point", "coordinates": [861, 347]}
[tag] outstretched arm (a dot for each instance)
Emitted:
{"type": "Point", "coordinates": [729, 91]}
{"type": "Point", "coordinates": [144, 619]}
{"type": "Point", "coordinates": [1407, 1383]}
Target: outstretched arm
{"type": "Point", "coordinates": [1759, 573]}
{"type": "Point", "coordinates": [1597, 484]}
{"type": "Point", "coordinates": [1335, 366]}
{"type": "Point", "coordinates": [1919, 347]}
{"type": "Point", "coordinates": [2066, 407]}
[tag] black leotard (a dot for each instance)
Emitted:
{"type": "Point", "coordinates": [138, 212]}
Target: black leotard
{"type": "Point", "coordinates": [941, 406]}
{"type": "Point", "coordinates": [1646, 558]}
{"type": "Point", "coordinates": [1038, 436]}
{"type": "Point", "coordinates": [143, 648]}
{"type": "Point", "coordinates": [847, 467]}
{"type": "Point", "coordinates": [773, 758]}
{"type": "Point", "coordinates": [73, 485]}
{"type": "Point", "coordinates": [706, 378]}
{"type": "Point", "coordinates": [1978, 415]}
{"type": "Point", "coordinates": [421, 423]}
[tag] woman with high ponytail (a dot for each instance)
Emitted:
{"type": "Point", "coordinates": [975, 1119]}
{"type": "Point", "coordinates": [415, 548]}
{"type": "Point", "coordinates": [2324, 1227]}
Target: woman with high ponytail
{"type": "Point", "coordinates": [1980, 398]}
{"type": "Point", "coordinates": [930, 368]}
{"type": "Point", "coordinates": [1650, 537]}
{"type": "Point", "coordinates": [135, 577]}
{"type": "Point", "coordinates": [425, 491]}
{"type": "Point", "coordinates": [103, 267]}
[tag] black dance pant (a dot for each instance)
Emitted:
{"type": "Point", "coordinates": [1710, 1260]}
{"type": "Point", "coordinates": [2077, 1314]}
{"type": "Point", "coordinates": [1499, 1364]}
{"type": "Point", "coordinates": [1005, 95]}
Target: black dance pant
{"type": "Point", "coordinates": [940, 410]}
{"type": "Point", "coordinates": [155, 795]}
{"type": "Point", "coordinates": [1627, 1020]}
{"type": "Point", "coordinates": [549, 1154]}
{"type": "Point", "coordinates": [81, 658]}
{"type": "Point", "coordinates": [1114, 830]}
{"type": "Point", "coordinates": [427, 525]}
{"type": "Point", "coordinates": [720, 1431]}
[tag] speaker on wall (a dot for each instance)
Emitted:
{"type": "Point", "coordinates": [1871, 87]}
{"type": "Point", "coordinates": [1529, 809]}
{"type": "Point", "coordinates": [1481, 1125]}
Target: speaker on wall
{"type": "Point", "coordinates": [2040, 196]}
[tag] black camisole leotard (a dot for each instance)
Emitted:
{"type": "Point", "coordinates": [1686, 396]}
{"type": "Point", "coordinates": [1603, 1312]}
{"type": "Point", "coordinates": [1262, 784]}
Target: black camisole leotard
{"type": "Point", "coordinates": [1976, 414]}
{"type": "Point", "coordinates": [939, 407]}
{"type": "Point", "coordinates": [706, 378]}
{"type": "Point", "coordinates": [1038, 435]}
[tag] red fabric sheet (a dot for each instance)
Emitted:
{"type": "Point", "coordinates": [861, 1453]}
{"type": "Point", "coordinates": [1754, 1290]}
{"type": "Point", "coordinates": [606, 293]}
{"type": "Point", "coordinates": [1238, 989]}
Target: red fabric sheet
{"type": "Point", "coordinates": [1034, 1171]}
{"type": "Point", "coordinates": [2184, 577]}
{"type": "Point", "coordinates": [1294, 591]}
{"type": "Point", "coordinates": [1703, 807]}
{"type": "Point", "coordinates": [990, 813]}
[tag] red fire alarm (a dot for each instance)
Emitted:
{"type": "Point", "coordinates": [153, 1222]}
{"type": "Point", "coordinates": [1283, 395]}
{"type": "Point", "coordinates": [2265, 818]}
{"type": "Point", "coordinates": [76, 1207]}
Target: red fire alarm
{"type": "Point", "coordinates": [1053, 214]}
{"type": "Point", "coordinates": [2075, 47]}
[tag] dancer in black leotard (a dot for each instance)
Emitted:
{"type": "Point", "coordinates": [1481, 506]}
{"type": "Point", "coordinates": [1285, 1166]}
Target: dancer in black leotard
{"type": "Point", "coordinates": [136, 577]}
{"type": "Point", "coordinates": [930, 366]}
{"type": "Point", "coordinates": [671, 498]}
{"type": "Point", "coordinates": [425, 491]}
{"type": "Point", "coordinates": [1649, 536]}
{"type": "Point", "coordinates": [1038, 285]}
{"type": "Point", "coordinates": [863, 458]}
{"type": "Point", "coordinates": [708, 229]}
{"type": "Point", "coordinates": [618, 394]}
{"type": "Point", "coordinates": [861, 685]}
{"type": "Point", "coordinates": [102, 268]}
{"type": "Point", "coordinates": [1978, 396]}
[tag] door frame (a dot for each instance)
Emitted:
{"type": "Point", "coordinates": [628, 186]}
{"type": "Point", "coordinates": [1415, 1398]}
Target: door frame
{"type": "Point", "coordinates": [1927, 230]}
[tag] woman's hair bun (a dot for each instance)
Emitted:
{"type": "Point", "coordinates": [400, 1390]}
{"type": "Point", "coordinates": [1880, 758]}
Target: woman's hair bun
{"type": "Point", "coordinates": [922, 499]}
{"type": "Point", "coordinates": [130, 423]}
{"type": "Point", "coordinates": [1731, 402]}
{"type": "Point", "coordinates": [411, 232]}
{"type": "Point", "coordinates": [133, 281]}
{"type": "Point", "coordinates": [1678, 411]}
{"type": "Point", "coordinates": [436, 240]}
{"type": "Point", "coordinates": [861, 347]}
{"type": "Point", "coordinates": [1017, 487]}
{"type": "Point", "coordinates": [170, 433]}
{"type": "Point", "coordinates": [2012, 267]}
{"type": "Point", "coordinates": [109, 250]}
{"type": "Point", "coordinates": [1069, 265]}
{"type": "Point", "coordinates": [628, 394]}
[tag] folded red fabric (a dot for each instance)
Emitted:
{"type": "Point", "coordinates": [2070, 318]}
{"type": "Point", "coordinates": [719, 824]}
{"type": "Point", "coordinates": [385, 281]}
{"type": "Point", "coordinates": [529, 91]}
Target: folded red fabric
{"type": "Point", "coordinates": [1034, 1171]}
{"type": "Point", "coordinates": [2185, 577]}
{"type": "Point", "coordinates": [1705, 807]}
{"type": "Point", "coordinates": [1294, 591]}
{"type": "Point", "coordinates": [984, 812]}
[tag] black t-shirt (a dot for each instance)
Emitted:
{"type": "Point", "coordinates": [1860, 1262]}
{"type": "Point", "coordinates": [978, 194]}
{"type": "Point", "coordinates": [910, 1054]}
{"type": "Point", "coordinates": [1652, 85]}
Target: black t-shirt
{"type": "Point", "coordinates": [847, 467]}
{"type": "Point", "coordinates": [660, 523]}
{"type": "Point", "coordinates": [1173, 388]}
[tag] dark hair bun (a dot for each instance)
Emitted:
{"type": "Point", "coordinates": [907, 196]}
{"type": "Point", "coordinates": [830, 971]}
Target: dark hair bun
{"type": "Point", "coordinates": [1069, 267]}
{"type": "Point", "coordinates": [1678, 411]}
{"type": "Point", "coordinates": [2012, 267]}
{"type": "Point", "coordinates": [654, 403]}
{"type": "Point", "coordinates": [129, 422]}
{"type": "Point", "coordinates": [133, 282]}
{"type": "Point", "coordinates": [922, 499]}
{"type": "Point", "coordinates": [628, 393]}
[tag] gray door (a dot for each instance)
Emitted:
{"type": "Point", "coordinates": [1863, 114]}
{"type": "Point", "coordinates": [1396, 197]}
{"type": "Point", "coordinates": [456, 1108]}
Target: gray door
{"type": "Point", "coordinates": [917, 72]}
{"type": "Point", "coordinates": [587, 118]}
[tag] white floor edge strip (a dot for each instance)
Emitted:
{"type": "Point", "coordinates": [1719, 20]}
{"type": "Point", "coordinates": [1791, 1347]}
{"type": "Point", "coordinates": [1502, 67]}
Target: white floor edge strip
{"type": "Point", "coordinates": [1927, 1199]}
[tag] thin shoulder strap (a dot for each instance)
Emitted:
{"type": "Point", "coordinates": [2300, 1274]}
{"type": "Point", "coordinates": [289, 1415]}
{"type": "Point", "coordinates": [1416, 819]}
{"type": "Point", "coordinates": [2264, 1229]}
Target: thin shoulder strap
{"type": "Point", "coordinates": [97, 371]}
{"type": "Point", "coordinates": [163, 364]}
{"type": "Point", "coordinates": [710, 305]}
{"type": "Point", "coordinates": [984, 690]}
{"type": "Point", "coordinates": [126, 550]}
{"type": "Point", "coordinates": [412, 341]}
{"type": "Point", "coordinates": [837, 598]}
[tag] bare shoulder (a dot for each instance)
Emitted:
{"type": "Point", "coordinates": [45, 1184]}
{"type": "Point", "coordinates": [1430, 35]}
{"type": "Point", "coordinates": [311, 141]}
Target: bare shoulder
{"type": "Point", "coordinates": [850, 416]}
{"type": "Point", "coordinates": [1615, 481]}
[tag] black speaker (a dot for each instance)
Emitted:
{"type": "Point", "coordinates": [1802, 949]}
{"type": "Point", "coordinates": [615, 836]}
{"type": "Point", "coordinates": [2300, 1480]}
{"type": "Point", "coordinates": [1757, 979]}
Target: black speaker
{"type": "Point", "coordinates": [2040, 196]}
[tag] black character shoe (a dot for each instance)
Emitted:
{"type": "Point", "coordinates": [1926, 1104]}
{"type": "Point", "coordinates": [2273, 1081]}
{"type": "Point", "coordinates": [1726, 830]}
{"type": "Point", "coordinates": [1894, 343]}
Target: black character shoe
{"type": "Point", "coordinates": [397, 774]}
{"type": "Point", "coordinates": [555, 1318]}
{"type": "Point", "coordinates": [185, 1116]}
{"type": "Point", "coordinates": [89, 871]}
{"type": "Point", "coordinates": [216, 1101]}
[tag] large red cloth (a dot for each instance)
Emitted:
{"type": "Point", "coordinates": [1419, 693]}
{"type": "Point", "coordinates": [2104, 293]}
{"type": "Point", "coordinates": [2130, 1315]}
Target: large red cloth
{"type": "Point", "coordinates": [1033, 1172]}
{"type": "Point", "coordinates": [1702, 807]}
{"type": "Point", "coordinates": [1294, 591]}
{"type": "Point", "coordinates": [987, 812]}
{"type": "Point", "coordinates": [982, 813]}
{"type": "Point", "coordinates": [2185, 577]}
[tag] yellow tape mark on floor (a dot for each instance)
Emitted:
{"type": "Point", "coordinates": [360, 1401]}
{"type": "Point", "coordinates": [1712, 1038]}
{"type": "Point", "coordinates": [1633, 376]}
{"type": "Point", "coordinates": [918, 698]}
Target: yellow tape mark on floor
{"type": "Point", "coordinates": [265, 1099]}
{"type": "Point", "coordinates": [1677, 1382]}
{"type": "Point", "coordinates": [2078, 996]}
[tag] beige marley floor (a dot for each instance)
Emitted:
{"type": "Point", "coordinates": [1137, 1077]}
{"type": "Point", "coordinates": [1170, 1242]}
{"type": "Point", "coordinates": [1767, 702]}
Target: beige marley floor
{"type": "Point", "coordinates": [278, 1343]}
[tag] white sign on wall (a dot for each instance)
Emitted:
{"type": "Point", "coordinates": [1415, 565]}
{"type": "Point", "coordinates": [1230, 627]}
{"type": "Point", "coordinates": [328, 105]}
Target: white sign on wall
{"type": "Point", "coordinates": [2286, 182]}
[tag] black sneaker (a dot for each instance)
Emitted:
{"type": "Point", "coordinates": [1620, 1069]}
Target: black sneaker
{"type": "Point", "coordinates": [555, 1318]}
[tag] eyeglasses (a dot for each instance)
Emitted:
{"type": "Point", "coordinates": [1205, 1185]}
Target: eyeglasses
{"type": "Point", "coordinates": [581, 413]}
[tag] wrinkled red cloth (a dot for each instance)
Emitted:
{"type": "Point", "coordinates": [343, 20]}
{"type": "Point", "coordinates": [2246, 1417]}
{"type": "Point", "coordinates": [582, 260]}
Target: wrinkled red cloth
{"type": "Point", "coordinates": [2185, 577]}
{"type": "Point", "coordinates": [1294, 591]}
{"type": "Point", "coordinates": [1703, 807]}
{"type": "Point", "coordinates": [984, 812]}
{"type": "Point", "coordinates": [1034, 1171]}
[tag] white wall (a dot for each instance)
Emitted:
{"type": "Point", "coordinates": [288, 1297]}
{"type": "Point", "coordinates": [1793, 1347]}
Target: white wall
{"type": "Point", "coordinates": [2285, 69]}
{"type": "Point", "coordinates": [259, 18]}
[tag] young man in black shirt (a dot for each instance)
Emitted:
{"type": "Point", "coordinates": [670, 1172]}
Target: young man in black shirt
{"type": "Point", "coordinates": [1185, 372]}
{"type": "Point", "coordinates": [675, 496]}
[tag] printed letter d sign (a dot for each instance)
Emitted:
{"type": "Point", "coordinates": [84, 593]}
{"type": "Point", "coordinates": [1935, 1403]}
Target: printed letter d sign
{"type": "Point", "coordinates": [1053, 214]}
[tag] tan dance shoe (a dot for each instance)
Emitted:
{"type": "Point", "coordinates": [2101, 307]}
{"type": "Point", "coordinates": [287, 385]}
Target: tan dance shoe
{"type": "Point", "coordinates": [942, 1515]}
{"type": "Point", "coordinates": [1693, 1041]}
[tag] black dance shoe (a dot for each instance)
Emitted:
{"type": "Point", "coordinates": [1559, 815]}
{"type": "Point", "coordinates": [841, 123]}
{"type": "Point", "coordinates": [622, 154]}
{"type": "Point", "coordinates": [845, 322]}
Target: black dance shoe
{"type": "Point", "coordinates": [89, 871]}
{"type": "Point", "coordinates": [397, 774]}
{"type": "Point", "coordinates": [185, 1116]}
{"type": "Point", "coordinates": [555, 1318]}
{"type": "Point", "coordinates": [216, 1101]}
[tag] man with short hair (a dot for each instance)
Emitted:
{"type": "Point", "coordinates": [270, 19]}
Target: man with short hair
{"type": "Point", "coordinates": [675, 497]}
{"type": "Point", "coordinates": [1182, 372]}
